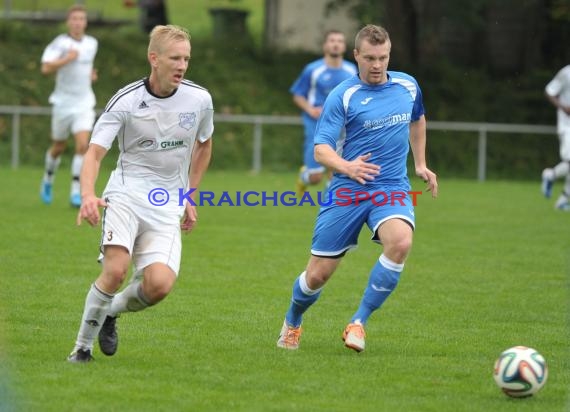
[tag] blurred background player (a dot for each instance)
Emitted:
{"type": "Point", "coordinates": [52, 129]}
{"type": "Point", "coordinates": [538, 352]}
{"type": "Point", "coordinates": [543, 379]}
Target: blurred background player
{"type": "Point", "coordinates": [71, 57]}
{"type": "Point", "coordinates": [383, 114]}
{"type": "Point", "coordinates": [309, 92]}
{"type": "Point", "coordinates": [558, 93]}
{"type": "Point", "coordinates": [165, 124]}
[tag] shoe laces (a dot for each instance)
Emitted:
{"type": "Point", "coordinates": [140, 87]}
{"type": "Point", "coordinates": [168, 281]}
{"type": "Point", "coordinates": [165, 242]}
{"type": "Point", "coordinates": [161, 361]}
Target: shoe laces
{"type": "Point", "coordinates": [357, 330]}
{"type": "Point", "coordinates": [292, 335]}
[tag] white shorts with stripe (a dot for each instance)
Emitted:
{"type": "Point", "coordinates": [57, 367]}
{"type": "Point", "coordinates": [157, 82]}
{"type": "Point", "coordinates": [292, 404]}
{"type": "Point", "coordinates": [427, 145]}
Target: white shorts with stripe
{"type": "Point", "coordinates": [147, 240]}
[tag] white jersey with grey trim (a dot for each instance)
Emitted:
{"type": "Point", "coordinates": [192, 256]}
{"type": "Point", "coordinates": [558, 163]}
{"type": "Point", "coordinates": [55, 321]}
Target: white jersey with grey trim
{"type": "Point", "coordinates": [156, 137]}
{"type": "Point", "coordinates": [559, 87]}
{"type": "Point", "coordinates": [72, 92]}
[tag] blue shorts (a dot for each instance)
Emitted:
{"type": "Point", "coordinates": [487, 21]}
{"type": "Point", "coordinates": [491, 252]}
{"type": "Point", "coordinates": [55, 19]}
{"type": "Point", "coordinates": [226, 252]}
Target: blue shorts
{"type": "Point", "coordinates": [340, 222]}
{"type": "Point", "coordinates": [309, 149]}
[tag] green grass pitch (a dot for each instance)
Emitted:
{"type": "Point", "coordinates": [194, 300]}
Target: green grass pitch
{"type": "Point", "coordinates": [489, 269]}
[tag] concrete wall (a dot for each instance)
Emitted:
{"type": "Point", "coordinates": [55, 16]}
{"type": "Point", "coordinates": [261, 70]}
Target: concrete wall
{"type": "Point", "coordinates": [300, 24]}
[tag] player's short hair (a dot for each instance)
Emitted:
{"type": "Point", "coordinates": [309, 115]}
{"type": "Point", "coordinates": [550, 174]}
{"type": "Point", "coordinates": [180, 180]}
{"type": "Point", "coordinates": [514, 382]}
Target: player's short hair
{"type": "Point", "coordinates": [372, 34]}
{"type": "Point", "coordinates": [162, 34]}
{"type": "Point", "coordinates": [76, 7]}
{"type": "Point", "coordinates": [329, 32]}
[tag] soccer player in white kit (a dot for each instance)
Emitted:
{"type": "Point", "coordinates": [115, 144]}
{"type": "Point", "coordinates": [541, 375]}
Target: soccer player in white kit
{"type": "Point", "coordinates": [71, 57]}
{"type": "Point", "coordinates": [163, 125]}
{"type": "Point", "coordinates": [558, 93]}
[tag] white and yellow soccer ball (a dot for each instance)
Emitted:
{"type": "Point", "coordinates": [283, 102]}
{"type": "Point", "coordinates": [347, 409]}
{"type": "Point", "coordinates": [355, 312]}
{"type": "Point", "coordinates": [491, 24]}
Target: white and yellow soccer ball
{"type": "Point", "coordinates": [520, 371]}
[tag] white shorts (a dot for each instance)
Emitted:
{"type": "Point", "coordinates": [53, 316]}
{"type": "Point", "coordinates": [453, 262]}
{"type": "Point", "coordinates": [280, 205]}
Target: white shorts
{"type": "Point", "coordinates": [125, 224]}
{"type": "Point", "coordinates": [63, 123]}
{"type": "Point", "coordinates": [565, 145]}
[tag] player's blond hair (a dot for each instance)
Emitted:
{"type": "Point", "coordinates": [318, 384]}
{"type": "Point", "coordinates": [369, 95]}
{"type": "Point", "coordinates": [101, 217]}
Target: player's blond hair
{"type": "Point", "coordinates": [372, 34]}
{"type": "Point", "coordinates": [76, 7]}
{"type": "Point", "coordinates": [160, 35]}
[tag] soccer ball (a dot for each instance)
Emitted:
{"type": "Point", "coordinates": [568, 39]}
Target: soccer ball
{"type": "Point", "coordinates": [520, 371]}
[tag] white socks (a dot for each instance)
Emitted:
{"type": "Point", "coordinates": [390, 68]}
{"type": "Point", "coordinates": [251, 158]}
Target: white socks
{"type": "Point", "coordinates": [76, 164]}
{"type": "Point", "coordinates": [51, 165]}
{"type": "Point", "coordinates": [130, 299]}
{"type": "Point", "coordinates": [95, 311]}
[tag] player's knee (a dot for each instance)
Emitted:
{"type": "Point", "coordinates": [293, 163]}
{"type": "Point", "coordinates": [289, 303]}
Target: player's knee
{"type": "Point", "coordinates": [57, 148]}
{"type": "Point", "coordinates": [157, 285]}
{"type": "Point", "coordinates": [117, 273]}
{"type": "Point", "coordinates": [165, 287]}
{"type": "Point", "coordinates": [159, 291]}
{"type": "Point", "coordinates": [315, 178]}
{"type": "Point", "coordinates": [81, 149]}
{"type": "Point", "coordinates": [317, 278]}
{"type": "Point", "coordinates": [115, 269]}
{"type": "Point", "coordinates": [398, 249]}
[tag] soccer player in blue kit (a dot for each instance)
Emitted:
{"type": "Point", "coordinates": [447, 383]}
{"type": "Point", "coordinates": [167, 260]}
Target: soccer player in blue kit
{"type": "Point", "coordinates": [383, 114]}
{"type": "Point", "coordinates": [309, 92]}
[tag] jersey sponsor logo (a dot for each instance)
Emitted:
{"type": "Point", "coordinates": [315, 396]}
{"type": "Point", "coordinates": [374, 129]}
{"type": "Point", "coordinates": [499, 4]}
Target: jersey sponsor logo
{"type": "Point", "coordinates": [187, 120]}
{"type": "Point", "coordinates": [365, 101]}
{"type": "Point", "coordinates": [147, 144]}
{"type": "Point", "coordinates": [387, 121]}
{"type": "Point", "coordinates": [143, 105]}
{"type": "Point", "coordinates": [172, 144]}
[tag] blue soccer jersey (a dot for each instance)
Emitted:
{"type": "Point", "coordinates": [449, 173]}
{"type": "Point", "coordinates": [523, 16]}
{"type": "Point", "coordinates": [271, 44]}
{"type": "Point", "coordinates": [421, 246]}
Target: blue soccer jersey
{"type": "Point", "coordinates": [317, 80]}
{"type": "Point", "coordinates": [315, 83]}
{"type": "Point", "coordinates": [377, 121]}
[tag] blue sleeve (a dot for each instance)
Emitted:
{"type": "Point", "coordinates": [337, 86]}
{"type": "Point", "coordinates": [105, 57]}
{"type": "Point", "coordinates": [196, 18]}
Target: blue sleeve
{"type": "Point", "coordinates": [418, 109]}
{"type": "Point", "coordinates": [331, 121]}
{"type": "Point", "coordinates": [302, 84]}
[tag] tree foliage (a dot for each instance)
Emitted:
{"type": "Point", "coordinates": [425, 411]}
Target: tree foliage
{"type": "Point", "coordinates": [503, 36]}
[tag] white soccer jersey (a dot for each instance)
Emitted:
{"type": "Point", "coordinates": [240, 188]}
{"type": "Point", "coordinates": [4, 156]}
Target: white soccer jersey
{"type": "Point", "coordinates": [560, 86]}
{"type": "Point", "coordinates": [156, 136]}
{"type": "Point", "coordinates": [73, 90]}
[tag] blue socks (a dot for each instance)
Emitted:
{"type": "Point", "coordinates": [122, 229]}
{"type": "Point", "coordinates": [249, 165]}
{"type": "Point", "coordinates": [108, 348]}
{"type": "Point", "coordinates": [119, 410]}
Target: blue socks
{"type": "Point", "coordinates": [302, 299]}
{"type": "Point", "coordinates": [383, 280]}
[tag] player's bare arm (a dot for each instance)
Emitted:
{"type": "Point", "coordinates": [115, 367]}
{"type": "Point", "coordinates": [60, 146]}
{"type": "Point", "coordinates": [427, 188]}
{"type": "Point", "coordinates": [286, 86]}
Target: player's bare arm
{"type": "Point", "coordinates": [55, 65]}
{"type": "Point", "coordinates": [418, 145]}
{"type": "Point", "coordinates": [200, 161]}
{"type": "Point", "coordinates": [305, 106]}
{"type": "Point", "coordinates": [90, 203]}
{"type": "Point", "coordinates": [555, 100]}
{"type": "Point", "coordinates": [358, 169]}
